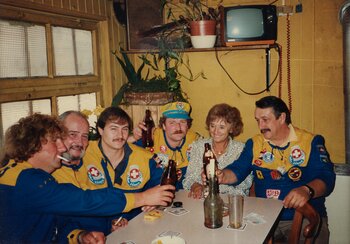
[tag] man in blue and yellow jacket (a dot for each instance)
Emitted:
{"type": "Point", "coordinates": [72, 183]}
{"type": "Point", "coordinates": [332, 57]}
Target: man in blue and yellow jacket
{"type": "Point", "coordinates": [109, 162]}
{"type": "Point", "coordinates": [288, 164]}
{"type": "Point", "coordinates": [173, 137]}
{"type": "Point", "coordinates": [31, 201]}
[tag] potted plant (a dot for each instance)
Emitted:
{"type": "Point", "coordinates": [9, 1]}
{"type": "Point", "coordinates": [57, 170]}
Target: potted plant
{"type": "Point", "coordinates": [162, 87]}
{"type": "Point", "coordinates": [201, 19]}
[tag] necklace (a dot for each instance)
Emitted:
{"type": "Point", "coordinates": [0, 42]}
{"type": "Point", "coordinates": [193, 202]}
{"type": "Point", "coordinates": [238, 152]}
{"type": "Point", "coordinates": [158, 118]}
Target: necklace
{"type": "Point", "coordinates": [217, 152]}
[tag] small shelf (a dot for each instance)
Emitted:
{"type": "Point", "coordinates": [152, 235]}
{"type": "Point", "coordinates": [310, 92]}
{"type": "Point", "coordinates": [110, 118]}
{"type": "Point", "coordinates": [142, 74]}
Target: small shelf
{"type": "Point", "coordinates": [241, 47]}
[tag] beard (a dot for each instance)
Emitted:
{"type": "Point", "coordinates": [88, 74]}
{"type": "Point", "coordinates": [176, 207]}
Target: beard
{"type": "Point", "coordinates": [73, 157]}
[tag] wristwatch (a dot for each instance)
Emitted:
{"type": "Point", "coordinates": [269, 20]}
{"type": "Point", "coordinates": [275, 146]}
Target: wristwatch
{"type": "Point", "coordinates": [311, 191]}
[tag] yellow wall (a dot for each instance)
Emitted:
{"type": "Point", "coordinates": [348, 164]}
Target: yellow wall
{"type": "Point", "coordinates": [316, 75]}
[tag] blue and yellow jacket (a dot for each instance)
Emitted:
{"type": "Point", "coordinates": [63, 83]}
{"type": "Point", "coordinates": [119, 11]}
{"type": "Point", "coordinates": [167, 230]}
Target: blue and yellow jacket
{"type": "Point", "coordinates": [137, 172]}
{"type": "Point", "coordinates": [165, 152]}
{"type": "Point", "coordinates": [278, 170]}
{"type": "Point", "coordinates": [31, 200]}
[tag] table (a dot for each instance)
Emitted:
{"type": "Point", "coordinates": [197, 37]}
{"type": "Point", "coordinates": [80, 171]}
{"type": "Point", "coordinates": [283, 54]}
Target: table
{"type": "Point", "coordinates": [191, 225]}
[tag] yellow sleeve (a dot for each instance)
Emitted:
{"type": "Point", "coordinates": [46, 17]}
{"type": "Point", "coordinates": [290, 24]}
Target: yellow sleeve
{"type": "Point", "coordinates": [130, 202]}
{"type": "Point", "coordinates": [73, 236]}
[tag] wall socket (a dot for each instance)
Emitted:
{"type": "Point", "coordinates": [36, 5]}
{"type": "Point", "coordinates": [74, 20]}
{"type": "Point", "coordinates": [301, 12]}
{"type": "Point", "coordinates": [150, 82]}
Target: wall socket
{"type": "Point", "coordinates": [284, 10]}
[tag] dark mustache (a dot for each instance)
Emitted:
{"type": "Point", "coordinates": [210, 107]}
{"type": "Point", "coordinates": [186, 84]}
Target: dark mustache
{"type": "Point", "coordinates": [178, 132]}
{"type": "Point", "coordinates": [119, 139]}
{"type": "Point", "coordinates": [264, 130]}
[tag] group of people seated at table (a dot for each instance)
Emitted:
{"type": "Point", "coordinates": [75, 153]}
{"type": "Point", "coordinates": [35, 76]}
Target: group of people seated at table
{"type": "Point", "coordinates": [57, 186]}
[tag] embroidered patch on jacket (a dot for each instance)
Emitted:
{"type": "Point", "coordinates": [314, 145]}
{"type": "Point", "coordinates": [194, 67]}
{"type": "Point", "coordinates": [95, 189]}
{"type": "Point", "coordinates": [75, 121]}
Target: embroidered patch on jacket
{"type": "Point", "coordinates": [294, 173]}
{"type": "Point", "coordinates": [163, 149]}
{"type": "Point", "coordinates": [297, 156]}
{"type": "Point", "coordinates": [268, 157]}
{"type": "Point", "coordinates": [273, 193]}
{"type": "Point", "coordinates": [275, 175]}
{"type": "Point", "coordinates": [259, 174]}
{"type": "Point", "coordinates": [134, 177]}
{"type": "Point", "coordinates": [179, 174]}
{"type": "Point", "coordinates": [262, 152]}
{"type": "Point", "coordinates": [323, 154]}
{"type": "Point", "coordinates": [95, 176]}
{"type": "Point", "coordinates": [257, 162]}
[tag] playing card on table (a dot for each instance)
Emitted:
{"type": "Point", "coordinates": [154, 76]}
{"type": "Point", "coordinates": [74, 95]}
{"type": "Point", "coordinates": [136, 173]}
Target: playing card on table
{"type": "Point", "coordinates": [177, 211]}
{"type": "Point", "coordinates": [170, 233]}
{"type": "Point", "coordinates": [255, 218]}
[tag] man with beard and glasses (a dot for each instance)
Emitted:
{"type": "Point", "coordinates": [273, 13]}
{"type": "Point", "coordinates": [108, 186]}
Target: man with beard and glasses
{"type": "Point", "coordinates": [173, 137]}
{"type": "Point", "coordinates": [32, 203]}
{"type": "Point", "coordinates": [288, 163]}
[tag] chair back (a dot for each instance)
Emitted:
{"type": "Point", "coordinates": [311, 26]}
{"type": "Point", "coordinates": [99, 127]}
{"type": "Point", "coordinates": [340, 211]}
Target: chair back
{"type": "Point", "coordinates": [310, 230]}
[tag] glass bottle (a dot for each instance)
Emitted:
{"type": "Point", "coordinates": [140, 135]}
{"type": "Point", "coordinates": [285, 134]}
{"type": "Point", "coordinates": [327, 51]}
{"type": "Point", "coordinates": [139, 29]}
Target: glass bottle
{"type": "Point", "coordinates": [213, 205]}
{"type": "Point", "coordinates": [169, 176]}
{"type": "Point", "coordinates": [207, 156]}
{"type": "Point", "coordinates": [209, 165]}
{"type": "Point", "coordinates": [147, 139]}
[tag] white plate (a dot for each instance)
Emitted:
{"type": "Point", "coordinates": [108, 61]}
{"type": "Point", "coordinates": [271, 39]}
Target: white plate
{"type": "Point", "coordinates": [169, 240]}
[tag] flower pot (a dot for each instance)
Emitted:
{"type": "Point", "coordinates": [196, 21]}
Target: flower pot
{"type": "Point", "coordinates": [203, 33]}
{"type": "Point", "coordinates": [203, 27]}
{"type": "Point", "coordinates": [148, 98]}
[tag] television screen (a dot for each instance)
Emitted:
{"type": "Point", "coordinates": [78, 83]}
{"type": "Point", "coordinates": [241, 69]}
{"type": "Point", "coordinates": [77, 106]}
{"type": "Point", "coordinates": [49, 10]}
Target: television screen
{"type": "Point", "coordinates": [245, 23]}
{"type": "Point", "coordinates": [248, 25]}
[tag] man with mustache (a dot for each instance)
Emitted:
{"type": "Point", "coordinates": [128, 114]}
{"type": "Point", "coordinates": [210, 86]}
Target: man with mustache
{"type": "Point", "coordinates": [288, 163]}
{"type": "Point", "coordinates": [31, 201]}
{"type": "Point", "coordinates": [96, 171]}
{"type": "Point", "coordinates": [172, 138]}
{"type": "Point", "coordinates": [108, 162]}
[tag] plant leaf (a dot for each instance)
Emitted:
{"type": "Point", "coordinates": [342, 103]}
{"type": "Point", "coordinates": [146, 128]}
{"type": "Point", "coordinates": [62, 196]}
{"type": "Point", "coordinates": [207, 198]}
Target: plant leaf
{"type": "Point", "coordinates": [119, 96]}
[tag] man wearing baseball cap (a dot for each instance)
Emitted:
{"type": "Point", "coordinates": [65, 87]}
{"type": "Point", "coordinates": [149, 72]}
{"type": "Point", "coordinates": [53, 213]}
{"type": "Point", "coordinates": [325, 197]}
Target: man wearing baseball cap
{"type": "Point", "coordinates": [173, 137]}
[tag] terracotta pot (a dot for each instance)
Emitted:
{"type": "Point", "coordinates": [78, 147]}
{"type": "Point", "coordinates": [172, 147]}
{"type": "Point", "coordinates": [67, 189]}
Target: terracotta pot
{"type": "Point", "coordinates": [203, 27]}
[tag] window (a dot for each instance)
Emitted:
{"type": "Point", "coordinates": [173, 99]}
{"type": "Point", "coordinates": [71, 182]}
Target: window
{"type": "Point", "coordinates": [22, 50]}
{"type": "Point", "coordinates": [46, 68]}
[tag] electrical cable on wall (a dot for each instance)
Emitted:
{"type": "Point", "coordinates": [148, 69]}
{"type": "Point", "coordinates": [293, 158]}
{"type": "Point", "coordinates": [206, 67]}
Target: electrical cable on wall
{"type": "Point", "coordinates": [280, 72]}
{"type": "Point", "coordinates": [241, 89]}
{"type": "Point", "coordinates": [288, 65]}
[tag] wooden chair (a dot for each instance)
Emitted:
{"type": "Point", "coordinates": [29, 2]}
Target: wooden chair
{"type": "Point", "coordinates": [309, 231]}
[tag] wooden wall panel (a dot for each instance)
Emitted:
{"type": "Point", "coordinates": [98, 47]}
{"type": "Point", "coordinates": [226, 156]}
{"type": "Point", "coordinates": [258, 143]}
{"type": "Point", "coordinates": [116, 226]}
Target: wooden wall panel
{"type": "Point", "coordinates": [57, 4]}
{"type": "Point", "coordinates": [74, 5]}
{"type": "Point", "coordinates": [96, 7]}
{"type": "Point", "coordinates": [65, 4]}
{"type": "Point", "coordinates": [89, 6]}
{"type": "Point", "coordinates": [89, 9]}
{"type": "Point", "coordinates": [82, 5]}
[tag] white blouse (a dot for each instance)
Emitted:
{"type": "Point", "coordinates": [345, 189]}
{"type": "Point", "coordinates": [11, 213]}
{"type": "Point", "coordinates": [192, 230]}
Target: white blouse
{"type": "Point", "coordinates": [193, 174]}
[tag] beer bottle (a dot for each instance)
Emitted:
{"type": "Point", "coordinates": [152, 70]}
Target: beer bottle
{"type": "Point", "coordinates": [210, 164]}
{"type": "Point", "coordinates": [169, 176]}
{"type": "Point", "coordinates": [147, 140]}
{"type": "Point", "coordinates": [213, 205]}
{"type": "Point", "coordinates": [207, 156]}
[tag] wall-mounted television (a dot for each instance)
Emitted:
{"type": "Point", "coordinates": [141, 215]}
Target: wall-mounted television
{"type": "Point", "coordinates": [248, 25]}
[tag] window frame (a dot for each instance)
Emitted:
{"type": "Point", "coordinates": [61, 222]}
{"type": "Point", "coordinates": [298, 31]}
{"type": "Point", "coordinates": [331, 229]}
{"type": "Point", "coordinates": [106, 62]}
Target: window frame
{"type": "Point", "coordinates": [19, 89]}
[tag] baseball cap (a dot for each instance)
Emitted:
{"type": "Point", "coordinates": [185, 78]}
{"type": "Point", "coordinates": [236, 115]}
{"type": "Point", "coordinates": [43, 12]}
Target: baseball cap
{"type": "Point", "coordinates": [176, 110]}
